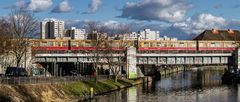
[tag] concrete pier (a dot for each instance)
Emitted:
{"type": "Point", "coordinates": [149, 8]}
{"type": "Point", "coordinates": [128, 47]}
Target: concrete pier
{"type": "Point", "coordinates": [173, 69]}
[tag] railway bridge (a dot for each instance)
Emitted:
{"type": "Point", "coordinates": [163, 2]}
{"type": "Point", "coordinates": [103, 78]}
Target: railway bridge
{"type": "Point", "coordinates": [61, 64]}
{"type": "Point", "coordinates": [61, 56]}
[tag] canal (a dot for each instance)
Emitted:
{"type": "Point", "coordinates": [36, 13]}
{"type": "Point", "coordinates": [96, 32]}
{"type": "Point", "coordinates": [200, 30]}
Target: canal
{"type": "Point", "coordinates": [197, 85]}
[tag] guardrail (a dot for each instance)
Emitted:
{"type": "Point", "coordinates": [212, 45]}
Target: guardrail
{"type": "Point", "coordinates": [38, 80]}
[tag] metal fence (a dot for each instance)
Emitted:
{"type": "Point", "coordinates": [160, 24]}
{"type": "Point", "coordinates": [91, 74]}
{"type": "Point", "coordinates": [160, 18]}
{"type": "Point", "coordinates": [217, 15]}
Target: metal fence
{"type": "Point", "coordinates": [38, 80]}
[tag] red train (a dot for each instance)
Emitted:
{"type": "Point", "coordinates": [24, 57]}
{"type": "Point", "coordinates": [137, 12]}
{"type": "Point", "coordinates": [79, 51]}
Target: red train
{"type": "Point", "coordinates": [62, 46]}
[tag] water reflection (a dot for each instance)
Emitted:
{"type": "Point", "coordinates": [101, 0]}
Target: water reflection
{"type": "Point", "coordinates": [197, 85]}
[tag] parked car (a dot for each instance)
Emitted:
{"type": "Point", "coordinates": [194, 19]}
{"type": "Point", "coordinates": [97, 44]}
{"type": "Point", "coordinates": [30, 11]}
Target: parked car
{"type": "Point", "coordinates": [2, 75]}
{"type": "Point", "coordinates": [16, 72]}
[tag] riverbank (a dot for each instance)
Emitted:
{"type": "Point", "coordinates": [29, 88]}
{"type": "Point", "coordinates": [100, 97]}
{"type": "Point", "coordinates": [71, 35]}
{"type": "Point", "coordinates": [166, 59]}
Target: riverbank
{"type": "Point", "coordinates": [61, 92]}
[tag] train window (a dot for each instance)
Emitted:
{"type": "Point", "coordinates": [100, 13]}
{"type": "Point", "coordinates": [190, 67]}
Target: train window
{"type": "Point", "coordinates": [130, 43]}
{"type": "Point", "coordinates": [87, 44]}
{"type": "Point", "coordinates": [234, 44]}
{"type": "Point", "coordinates": [65, 44]}
{"type": "Point", "coordinates": [193, 44]}
{"type": "Point", "coordinates": [176, 44]}
{"type": "Point", "coordinates": [200, 44]}
{"type": "Point", "coordinates": [213, 44]}
{"type": "Point", "coordinates": [228, 44]}
{"type": "Point", "coordinates": [146, 44]}
{"type": "Point", "coordinates": [114, 44]}
{"type": "Point", "coordinates": [81, 43]}
{"type": "Point", "coordinates": [159, 44]}
{"type": "Point", "coordinates": [93, 43]}
{"type": "Point", "coordinates": [50, 43]}
{"type": "Point", "coordinates": [217, 44]}
{"type": "Point", "coordinates": [152, 44]}
{"type": "Point", "coordinates": [36, 44]}
{"type": "Point", "coordinates": [164, 44]}
{"type": "Point", "coordinates": [181, 44]}
{"type": "Point", "coordinates": [74, 44]}
{"type": "Point", "coordinates": [44, 43]}
{"type": "Point", "coordinates": [170, 45]}
{"type": "Point", "coordinates": [57, 43]}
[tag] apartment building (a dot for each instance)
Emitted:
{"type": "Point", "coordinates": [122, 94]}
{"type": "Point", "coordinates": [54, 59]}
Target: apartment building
{"type": "Point", "coordinates": [52, 28]}
{"type": "Point", "coordinates": [74, 33]}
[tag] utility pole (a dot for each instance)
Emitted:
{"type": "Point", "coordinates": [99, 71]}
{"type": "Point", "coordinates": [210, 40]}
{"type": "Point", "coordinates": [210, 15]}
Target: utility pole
{"type": "Point", "coordinates": [25, 53]}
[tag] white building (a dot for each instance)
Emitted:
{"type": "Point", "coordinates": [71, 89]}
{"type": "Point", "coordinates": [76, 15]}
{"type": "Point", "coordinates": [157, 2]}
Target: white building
{"type": "Point", "coordinates": [52, 28]}
{"type": "Point", "coordinates": [147, 34]}
{"type": "Point", "coordinates": [131, 36]}
{"type": "Point", "coordinates": [168, 38]}
{"type": "Point", "coordinates": [74, 33]}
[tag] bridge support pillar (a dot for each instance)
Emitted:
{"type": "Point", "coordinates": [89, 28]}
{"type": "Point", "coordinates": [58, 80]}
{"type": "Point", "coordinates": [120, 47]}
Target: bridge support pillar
{"type": "Point", "coordinates": [56, 70]}
{"type": "Point", "coordinates": [131, 63]}
{"type": "Point", "coordinates": [236, 58]}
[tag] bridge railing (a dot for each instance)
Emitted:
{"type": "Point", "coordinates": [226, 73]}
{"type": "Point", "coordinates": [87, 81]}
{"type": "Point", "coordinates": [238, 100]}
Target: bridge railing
{"type": "Point", "coordinates": [189, 52]}
{"type": "Point", "coordinates": [38, 80]}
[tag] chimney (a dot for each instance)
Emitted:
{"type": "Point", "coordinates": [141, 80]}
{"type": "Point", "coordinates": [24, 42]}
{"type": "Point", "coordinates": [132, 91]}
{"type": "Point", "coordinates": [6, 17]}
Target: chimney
{"type": "Point", "coordinates": [215, 31]}
{"type": "Point", "coordinates": [230, 31]}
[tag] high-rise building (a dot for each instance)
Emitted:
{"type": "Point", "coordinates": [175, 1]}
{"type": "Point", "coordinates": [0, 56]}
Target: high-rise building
{"type": "Point", "coordinates": [51, 29]}
{"type": "Point", "coordinates": [76, 33]}
{"type": "Point", "coordinates": [147, 34]}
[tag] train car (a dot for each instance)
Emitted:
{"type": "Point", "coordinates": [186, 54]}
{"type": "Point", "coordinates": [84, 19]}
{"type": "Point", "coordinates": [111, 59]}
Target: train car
{"type": "Point", "coordinates": [121, 44]}
{"type": "Point", "coordinates": [50, 45]}
{"type": "Point", "coordinates": [167, 45]}
{"type": "Point", "coordinates": [217, 45]}
{"type": "Point", "coordinates": [63, 46]}
{"type": "Point", "coordinates": [80, 45]}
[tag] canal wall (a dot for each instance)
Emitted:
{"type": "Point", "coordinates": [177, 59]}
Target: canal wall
{"type": "Point", "coordinates": [61, 92]}
{"type": "Point", "coordinates": [172, 70]}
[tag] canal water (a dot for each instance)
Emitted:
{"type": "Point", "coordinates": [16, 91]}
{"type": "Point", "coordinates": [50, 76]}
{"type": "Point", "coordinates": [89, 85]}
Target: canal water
{"type": "Point", "coordinates": [197, 85]}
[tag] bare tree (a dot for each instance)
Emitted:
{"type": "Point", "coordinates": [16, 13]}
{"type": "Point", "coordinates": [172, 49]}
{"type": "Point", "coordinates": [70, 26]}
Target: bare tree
{"type": "Point", "coordinates": [23, 25]}
{"type": "Point", "coordinates": [114, 53]}
{"type": "Point", "coordinates": [106, 49]}
{"type": "Point", "coordinates": [116, 47]}
{"type": "Point", "coordinates": [118, 30]}
{"type": "Point", "coordinates": [4, 33]}
{"type": "Point", "coordinates": [97, 35]}
{"type": "Point", "coordinates": [4, 42]}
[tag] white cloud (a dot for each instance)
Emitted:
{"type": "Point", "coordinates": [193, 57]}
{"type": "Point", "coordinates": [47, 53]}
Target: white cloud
{"type": "Point", "coordinates": [159, 10]}
{"type": "Point", "coordinates": [111, 23]}
{"type": "Point", "coordinates": [17, 4]}
{"type": "Point", "coordinates": [20, 3]}
{"type": "Point", "coordinates": [94, 6]}
{"type": "Point", "coordinates": [39, 5]}
{"type": "Point", "coordinates": [201, 22]}
{"type": "Point", "coordinates": [62, 7]}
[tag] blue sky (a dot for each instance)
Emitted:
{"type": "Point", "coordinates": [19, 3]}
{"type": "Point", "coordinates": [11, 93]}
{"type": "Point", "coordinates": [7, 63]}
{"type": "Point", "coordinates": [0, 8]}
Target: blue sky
{"type": "Point", "coordinates": [177, 18]}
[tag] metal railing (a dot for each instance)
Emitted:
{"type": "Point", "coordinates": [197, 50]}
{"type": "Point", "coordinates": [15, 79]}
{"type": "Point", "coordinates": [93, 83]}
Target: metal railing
{"type": "Point", "coordinates": [38, 80]}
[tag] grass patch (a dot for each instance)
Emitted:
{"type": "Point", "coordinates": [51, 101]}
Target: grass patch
{"type": "Point", "coordinates": [82, 88]}
{"type": "Point", "coordinates": [126, 81]}
{"type": "Point", "coordinates": [115, 84]}
{"type": "Point", "coordinates": [99, 87]}
{"type": "Point", "coordinates": [78, 88]}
